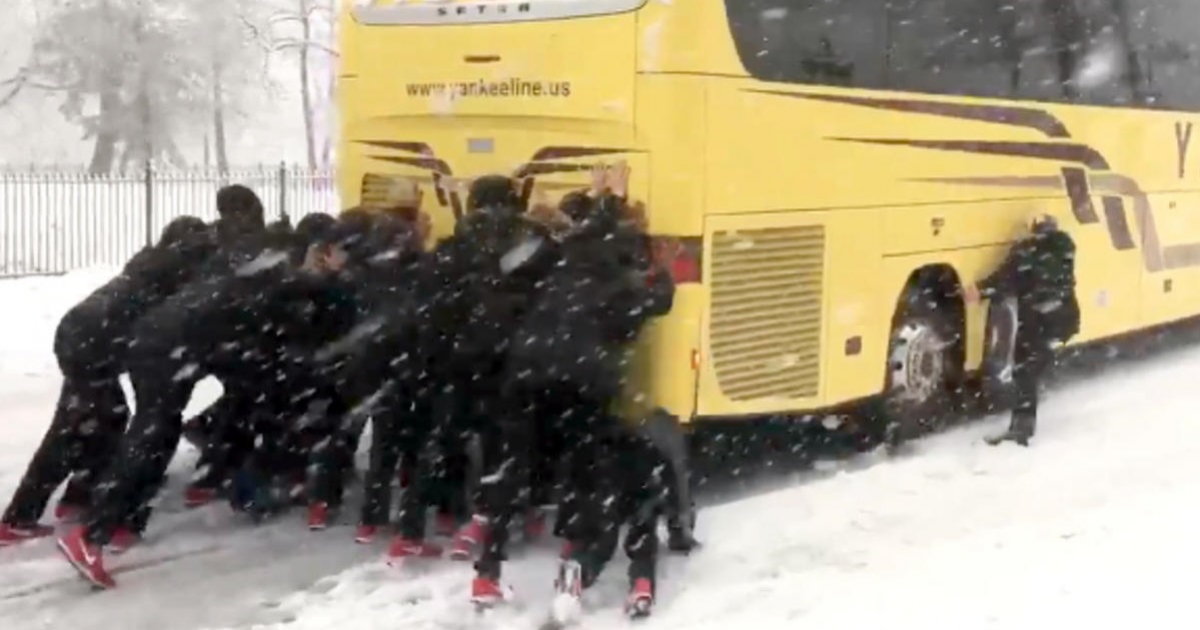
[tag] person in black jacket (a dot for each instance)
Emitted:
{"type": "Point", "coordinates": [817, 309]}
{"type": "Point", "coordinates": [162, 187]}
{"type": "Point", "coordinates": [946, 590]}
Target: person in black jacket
{"type": "Point", "coordinates": [92, 344]}
{"type": "Point", "coordinates": [219, 431]}
{"type": "Point", "coordinates": [241, 231]}
{"type": "Point", "coordinates": [239, 326]}
{"type": "Point", "coordinates": [369, 367]}
{"type": "Point", "coordinates": [382, 375]}
{"type": "Point", "coordinates": [483, 279]}
{"type": "Point", "coordinates": [1039, 273]}
{"type": "Point", "coordinates": [281, 402]}
{"type": "Point", "coordinates": [568, 362]}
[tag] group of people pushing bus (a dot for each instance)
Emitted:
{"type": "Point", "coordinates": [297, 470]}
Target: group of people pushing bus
{"type": "Point", "coordinates": [513, 334]}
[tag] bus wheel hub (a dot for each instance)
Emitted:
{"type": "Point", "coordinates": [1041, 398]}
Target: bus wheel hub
{"type": "Point", "coordinates": [918, 363]}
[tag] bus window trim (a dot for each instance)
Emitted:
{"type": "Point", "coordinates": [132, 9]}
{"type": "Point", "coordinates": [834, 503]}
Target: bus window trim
{"type": "Point", "coordinates": [432, 14]}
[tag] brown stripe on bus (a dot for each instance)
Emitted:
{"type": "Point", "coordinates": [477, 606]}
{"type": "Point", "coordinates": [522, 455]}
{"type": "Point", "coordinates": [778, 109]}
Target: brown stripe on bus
{"type": "Point", "coordinates": [419, 148]}
{"type": "Point", "coordinates": [550, 168]}
{"type": "Point", "coordinates": [563, 152]}
{"type": "Point", "coordinates": [1078, 153]}
{"type": "Point", "coordinates": [1053, 182]}
{"type": "Point", "coordinates": [1118, 225]}
{"type": "Point", "coordinates": [1037, 119]}
{"type": "Point", "coordinates": [1075, 180]}
{"type": "Point", "coordinates": [434, 164]}
{"type": "Point", "coordinates": [1153, 256]}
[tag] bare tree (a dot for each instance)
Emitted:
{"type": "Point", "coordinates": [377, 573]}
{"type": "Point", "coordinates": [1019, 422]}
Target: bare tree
{"type": "Point", "coordinates": [299, 38]}
{"type": "Point", "coordinates": [231, 39]}
{"type": "Point", "coordinates": [305, 90]}
{"type": "Point", "coordinates": [331, 87]}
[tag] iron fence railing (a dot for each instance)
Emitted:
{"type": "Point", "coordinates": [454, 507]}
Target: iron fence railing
{"type": "Point", "coordinates": [54, 221]}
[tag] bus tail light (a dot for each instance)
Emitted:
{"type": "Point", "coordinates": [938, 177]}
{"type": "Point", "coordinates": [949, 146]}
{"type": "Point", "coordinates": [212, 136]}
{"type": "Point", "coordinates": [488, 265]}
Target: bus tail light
{"type": "Point", "coordinates": [681, 255]}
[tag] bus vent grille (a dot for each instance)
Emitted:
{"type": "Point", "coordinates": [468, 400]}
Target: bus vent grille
{"type": "Point", "coordinates": [381, 191]}
{"type": "Point", "coordinates": [765, 331]}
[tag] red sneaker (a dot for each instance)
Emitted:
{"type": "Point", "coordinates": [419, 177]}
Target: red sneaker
{"type": "Point", "coordinates": [17, 534]}
{"type": "Point", "coordinates": [87, 558]}
{"type": "Point", "coordinates": [366, 534]}
{"type": "Point", "coordinates": [641, 599]}
{"type": "Point", "coordinates": [535, 524]}
{"type": "Point", "coordinates": [122, 540]}
{"type": "Point", "coordinates": [468, 537]}
{"type": "Point", "coordinates": [486, 592]}
{"type": "Point", "coordinates": [318, 516]}
{"type": "Point", "coordinates": [402, 548]}
{"type": "Point", "coordinates": [195, 497]}
{"type": "Point", "coordinates": [68, 512]}
{"type": "Point", "coordinates": [444, 524]}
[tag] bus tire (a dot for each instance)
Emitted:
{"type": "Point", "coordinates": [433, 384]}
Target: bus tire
{"type": "Point", "coordinates": [923, 369]}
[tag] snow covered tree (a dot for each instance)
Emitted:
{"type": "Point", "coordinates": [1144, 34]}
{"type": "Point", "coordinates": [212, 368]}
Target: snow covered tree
{"type": "Point", "coordinates": [138, 74]}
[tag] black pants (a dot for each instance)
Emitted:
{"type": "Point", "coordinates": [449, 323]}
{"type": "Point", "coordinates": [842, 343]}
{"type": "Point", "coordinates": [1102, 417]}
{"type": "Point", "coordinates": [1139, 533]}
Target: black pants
{"type": "Point", "coordinates": [1031, 357]}
{"type": "Point", "coordinates": [425, 433]}
{"type": "Point", "coordinates": [308, 432]}
{"type": "Point", "coordinates": [613, 480]}
{"type": "Point", "coordinates": [401, 435]}
{"type": "Point", "coordinates": [507, 441]}
{"type": "Point", "coordinates": [162, 382]}
{"type": "Point", "coordinates": [522, 451]}
{"type": "Point", "coordinates": [227, 426]}
{"type": "Point", "coordinates": [81, 440]}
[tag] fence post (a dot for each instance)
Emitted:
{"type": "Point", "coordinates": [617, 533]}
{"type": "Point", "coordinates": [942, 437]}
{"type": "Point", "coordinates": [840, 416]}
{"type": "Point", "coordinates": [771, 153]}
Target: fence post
{"type": "Point", "coordinates": [283, 215]}
{"type": "Point", "coordinates": [149, 183]}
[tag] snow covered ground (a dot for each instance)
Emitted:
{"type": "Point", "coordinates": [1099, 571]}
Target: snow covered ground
{"type": "Point", "coordinates": [1093, 528]}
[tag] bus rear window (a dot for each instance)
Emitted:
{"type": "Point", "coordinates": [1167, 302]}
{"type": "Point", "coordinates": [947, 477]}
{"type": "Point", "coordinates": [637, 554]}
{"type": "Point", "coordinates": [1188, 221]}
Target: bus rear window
{"type": "Point", "coordinates": [431, 13]}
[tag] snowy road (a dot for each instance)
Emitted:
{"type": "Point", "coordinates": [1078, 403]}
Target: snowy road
{"type": "Point", "coordinates": [1092, 528]}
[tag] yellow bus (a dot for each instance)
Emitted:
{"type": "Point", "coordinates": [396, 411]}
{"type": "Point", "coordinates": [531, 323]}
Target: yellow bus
{"type": "Point", "coordinates": [825, 176]}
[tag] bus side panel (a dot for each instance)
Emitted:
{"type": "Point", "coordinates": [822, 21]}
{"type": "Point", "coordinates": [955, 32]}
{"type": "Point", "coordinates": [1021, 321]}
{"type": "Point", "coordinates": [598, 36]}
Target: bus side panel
{"type": "Point", "coordinates": [677, 136]}
{"type": "Point", "coordinates": [955, 226]}
{"type": "Point", "coordinates": [1172, 294]}
{"type": "Point", "coordinates": [794, 313]}
{"type": "Point", "coordinates": [784, 137]}
{"type": "Point", "coordinates": [1108, 280]}
{"type": "Point", "coordinates": [858, 306]}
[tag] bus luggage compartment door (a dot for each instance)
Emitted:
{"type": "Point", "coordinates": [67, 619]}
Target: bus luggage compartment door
{"type": "Point", "coordinates": [763, 331]}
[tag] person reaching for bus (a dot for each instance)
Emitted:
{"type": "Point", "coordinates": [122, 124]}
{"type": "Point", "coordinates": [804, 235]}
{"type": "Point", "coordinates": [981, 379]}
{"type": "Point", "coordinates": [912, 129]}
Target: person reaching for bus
{"type": "Point", "coordinates": [1039, 273]}
{"type": "Point", "coordinates": [91, 344]}
{"type": "Point", "coordinates": [570, 350]}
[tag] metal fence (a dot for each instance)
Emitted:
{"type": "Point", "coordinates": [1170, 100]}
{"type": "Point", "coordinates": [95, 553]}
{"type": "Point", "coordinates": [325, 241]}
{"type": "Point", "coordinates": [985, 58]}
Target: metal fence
{"type": "Point", "coordinates": [56, 221]}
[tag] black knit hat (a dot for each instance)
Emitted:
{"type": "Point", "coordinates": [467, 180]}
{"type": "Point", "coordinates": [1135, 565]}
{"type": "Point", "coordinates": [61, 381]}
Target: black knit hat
{"type": "Point", "coordinates": [181, 228]}
{"type": "Point", "coordinates": [492, 191]}
{"type": "Point", "coordinates": [312, 226]}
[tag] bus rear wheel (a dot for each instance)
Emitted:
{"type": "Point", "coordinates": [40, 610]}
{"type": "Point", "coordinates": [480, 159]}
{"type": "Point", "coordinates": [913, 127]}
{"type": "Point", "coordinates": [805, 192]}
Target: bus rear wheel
{"type": "Point", "coordinates": [923, 372]}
